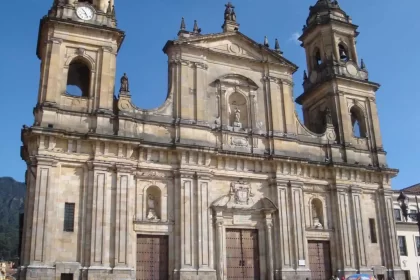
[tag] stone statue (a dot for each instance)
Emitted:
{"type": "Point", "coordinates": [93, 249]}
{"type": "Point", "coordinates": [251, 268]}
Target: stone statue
{"type": "Point", "coordinates": [151, 203]}
{"type": "Point", "coordinates": [237, 115]}
{"type": "Point", "coordinates": [229, 13]}
{"type": "Point", "coordinates": [328, 117]}
{"type": "Point", "coordinates": [124, 84]}
{"type": "Point", "coordinates": [316, 222]}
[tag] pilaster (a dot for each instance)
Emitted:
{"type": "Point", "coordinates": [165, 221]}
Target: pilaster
{"type": "Point", "coordinates": [346, 261]}
{"type": "Point", "coordinates": [282, 229]}
{"type": "Point", "coordinates": [101, 217]}
{"type": "Point", "coordinates": [104, 86]}
{"type": "Point", "coordinates": [358, 230]}
{"type": "Point", "coordinates": [52, 64]}
{"type": "Point", "coordinates": [43, 213]}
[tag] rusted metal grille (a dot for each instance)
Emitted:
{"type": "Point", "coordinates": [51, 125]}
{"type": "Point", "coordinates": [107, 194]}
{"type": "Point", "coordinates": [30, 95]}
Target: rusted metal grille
{"type": "Point", "coordinates": [319, 260]}
{"type": "Point", "coordinates": [152, 257]}
{"type": "Point", "coordinates": [242, 254]}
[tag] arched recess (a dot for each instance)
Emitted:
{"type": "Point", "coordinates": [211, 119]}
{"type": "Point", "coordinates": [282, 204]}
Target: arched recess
{"type": "Point", "coordinates": [153, 204]}
{"type": "Point", "coordinates": [358, 122]}
{"type": "Point", "coordinates": [238, 110]}
{"type": "Point", "coordinates": [343, 52]}
{"type": "Point", "coordinates": [317, 211]}
{"type": "Point", "coordinates": [79, 77]}
{"type": "Point", "coordinates": [317, 57]}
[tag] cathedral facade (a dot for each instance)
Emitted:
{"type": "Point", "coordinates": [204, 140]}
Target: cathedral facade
{"type": "Point", "coordinates": [223, 181]}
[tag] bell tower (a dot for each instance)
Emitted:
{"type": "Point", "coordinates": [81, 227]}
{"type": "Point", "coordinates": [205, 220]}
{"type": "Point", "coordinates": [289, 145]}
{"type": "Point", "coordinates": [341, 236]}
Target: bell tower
{"type": "Point", "coordinates": [78, 43]}
{"type": "Point", "coordinates": [335, 80]}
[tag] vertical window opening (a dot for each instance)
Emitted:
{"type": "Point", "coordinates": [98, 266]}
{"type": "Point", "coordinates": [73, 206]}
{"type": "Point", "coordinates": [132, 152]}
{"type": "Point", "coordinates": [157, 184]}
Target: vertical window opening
{"type": "Point", "coordinates": [69, 217]}
{"type": "Point", "coordinates": [372, 228]}
{"type": "Point", "coordinates": [397, 215]}
{"type": "Point", "coordinates": [402, 245]}
{"type": "Point", "coordinates": [344, 55]}
{"type": "Point", "coordinates": [357, 122]}
{"type": "Point", "coordinates": [317, 57]}
{"type": "Point", "coordinates": [78, 79]}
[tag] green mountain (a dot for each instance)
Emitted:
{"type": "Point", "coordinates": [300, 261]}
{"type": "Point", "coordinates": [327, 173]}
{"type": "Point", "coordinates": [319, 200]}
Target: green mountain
{"type": "Point", "coordinates": [12, 195]}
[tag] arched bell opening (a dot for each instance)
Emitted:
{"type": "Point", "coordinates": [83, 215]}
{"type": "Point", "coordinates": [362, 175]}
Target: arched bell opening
{"type": "Point", "coordinates": [317, 57]}
{"type": "Point", "coordinates": [358, 122]}
{"type": "Point", "coordinates": [78, 78]}
{"type": "Point", "coordinates": [343, 52]}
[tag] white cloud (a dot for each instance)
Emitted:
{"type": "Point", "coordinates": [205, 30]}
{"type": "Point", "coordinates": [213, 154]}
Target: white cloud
{"type": "Point", "coordinates": [295, 38]}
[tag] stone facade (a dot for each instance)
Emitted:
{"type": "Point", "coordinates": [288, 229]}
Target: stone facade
{"type": "Point", "coordinates": [225, 151]}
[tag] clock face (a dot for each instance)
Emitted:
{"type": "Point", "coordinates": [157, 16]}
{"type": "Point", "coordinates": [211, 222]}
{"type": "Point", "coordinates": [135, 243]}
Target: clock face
{"type": "Point", "coordinates": [84, 13]}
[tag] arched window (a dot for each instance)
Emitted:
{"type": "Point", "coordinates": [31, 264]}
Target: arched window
{"type": "Point", "coordinates": [153, 203]}
{"type": "Point", "coordinates": [358, 122]}
{"type": "Point", "coordinates": [78, 78]}
{"type": "Point", "coordinates": [86, 1]}
{"type": "Point", "coordinates": [317, 57]}
{"type": "Point", "coordinates": [343, 52]}
{"type": "Point", "coordinates": [317, 214]}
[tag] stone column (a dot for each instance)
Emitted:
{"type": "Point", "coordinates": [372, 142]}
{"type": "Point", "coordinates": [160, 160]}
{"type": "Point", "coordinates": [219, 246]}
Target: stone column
{"type": "Point", "coordinates": [123, 229]}
{"type": "Point", "coordinates": [201, 92]}
{"type": "Point", "coordinates": [205, 251]}
{"type": "Point", "coordinates": [52, 83]}
{"type": "Point", "coordinates": [220, 258]}
{"type": "Point", "coordinates": [282, 229]}
{"type": "Point", "coordinates": [390, 242]}
{"type": "Point", "coordinates": [187, 225]}
{"type": "Point", "coordinates": [101, 217]}
{"type": "Point", "coordinates": [344, 229]}
{"type": "Point", "coordinates": [299, 243]}
{"type": "Point", "coordinates": [42, 226]}
{"type": "Point", "coordinates": [269, 245]}
{"type": "Point", "coordinates": [358, 229]}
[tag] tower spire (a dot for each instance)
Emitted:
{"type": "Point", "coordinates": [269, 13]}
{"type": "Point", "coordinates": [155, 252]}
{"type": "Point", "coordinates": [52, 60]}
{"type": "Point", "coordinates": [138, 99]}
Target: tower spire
{"type": "Point", "coordinates": [183, 26]}
{"type": "Point", "coordinates": [266, 44]}
{"type": "Point", "coordinates": [196, 29]}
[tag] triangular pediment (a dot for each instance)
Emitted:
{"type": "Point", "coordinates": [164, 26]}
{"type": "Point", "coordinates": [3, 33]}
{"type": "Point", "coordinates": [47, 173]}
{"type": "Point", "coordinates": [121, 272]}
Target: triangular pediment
{"type": "Point", "coordinates": [235, 44]}
{"type": "Point", "coordinates": [232, 45]}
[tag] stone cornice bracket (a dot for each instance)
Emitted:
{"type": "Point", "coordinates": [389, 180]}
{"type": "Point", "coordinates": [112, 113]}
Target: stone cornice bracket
{"type": "Point", "coordinates": [342, 188]}
{"type": "Point", "coordinates": [99, 165]}
{"type": "Point", "coordinates": [55, 40]}
{"type": "Point", "coordinates": [205, 176]}
{"type": "Point", "coordinates": [44, 161]}
{"type": "Point", "coordinates": [182, 174]}
{"type": "Point", "coordinates": [124, 168]}
{"type": "Point", "coordinates": [356, 189]}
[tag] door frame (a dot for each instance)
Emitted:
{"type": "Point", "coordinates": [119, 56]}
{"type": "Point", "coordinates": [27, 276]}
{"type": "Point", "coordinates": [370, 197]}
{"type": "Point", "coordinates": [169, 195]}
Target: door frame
{"type": "Point", "coordinates": [149, 234]}
{"type": "Point", "coordinates": [332, 272]}
{"type": "Point", "coordinates": [260, 254]}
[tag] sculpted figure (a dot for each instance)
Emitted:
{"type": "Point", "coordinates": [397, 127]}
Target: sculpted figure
{"type": "Point", "coordinates": [237, 115]}
{"type": "Point", "coordinates": [124, 83]}
{"type": "Point", "coordinates": [151, 203]}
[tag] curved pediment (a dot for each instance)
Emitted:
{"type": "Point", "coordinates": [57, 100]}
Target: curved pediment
{"type": "Point", "coordinates": [237, 80]}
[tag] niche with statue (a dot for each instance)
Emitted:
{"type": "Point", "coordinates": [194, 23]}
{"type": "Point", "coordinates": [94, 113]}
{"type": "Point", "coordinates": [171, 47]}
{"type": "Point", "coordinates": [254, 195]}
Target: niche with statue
{"type": "Point", "coordinates": [317, 214]}
{"type": "Point", "coordinates": [238, 112]}
{"type": "Point", "coordinates": [153, 204]}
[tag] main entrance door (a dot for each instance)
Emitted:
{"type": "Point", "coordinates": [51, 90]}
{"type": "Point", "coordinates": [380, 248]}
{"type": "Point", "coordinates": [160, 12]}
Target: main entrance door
{"type": "Point", "coordinates": [319, 260]}
{"type": "Point", "coordinates": [242, 254]}
{"type": "Point", "coordinates": [152, 257]}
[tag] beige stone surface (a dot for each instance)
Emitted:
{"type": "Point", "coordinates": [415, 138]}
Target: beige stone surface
{"type": "Point", "coordinates": [225, 150]}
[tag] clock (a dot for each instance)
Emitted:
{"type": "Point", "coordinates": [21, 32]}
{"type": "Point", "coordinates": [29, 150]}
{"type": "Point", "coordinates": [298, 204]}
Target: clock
{"type": "Point", "coordinates": [84, 13]}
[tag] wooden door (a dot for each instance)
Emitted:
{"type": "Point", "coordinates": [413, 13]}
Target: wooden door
{"type": "Point", "coordinates": [152, 257]}
{"type": "Point", "coordinates": [319, 260]}
{"type": "Point", "coordinates": [242, 254]}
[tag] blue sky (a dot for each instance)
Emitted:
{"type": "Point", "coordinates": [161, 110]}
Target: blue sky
{"type": "Point", "coordinates": [388, 43]}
